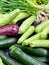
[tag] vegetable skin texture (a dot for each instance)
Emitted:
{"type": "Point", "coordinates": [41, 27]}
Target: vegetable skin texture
{"type": "Point", "coordinates": [39, 43]}
{"type": "Point", "coordinates": [11, 29]}
{"type": "Point", "coordinates": [9, 17]}
{"type": "Point", "coordinates": [45, 32]}
{"type": "Point", "coordinates": [7, 43]}
{"type": "Point", "coordinates": [39, 52]}
{"type": "Point", "coordinates": [34, 37]}
{"type": "Point", "coordinates": [1, 63]}
{"type": "Point", "coordinates": [3, 37]}
{"type": "Point", "coordinates": [26, 24]}
{"type": "Point", "coordinates": [17, 53]}
{"type": "Point", "coordinates": [8, 60]}
{"type": "Point", "coordinates": [41, 26]}
{"type": "Point", "coordinates": [26, 34]}
{"type": "Point", "coordinates": [19, 17]}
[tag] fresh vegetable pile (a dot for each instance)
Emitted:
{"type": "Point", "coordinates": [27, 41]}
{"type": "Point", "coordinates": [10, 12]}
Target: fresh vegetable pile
{"type": "Point", "coordinates": [24, 36]}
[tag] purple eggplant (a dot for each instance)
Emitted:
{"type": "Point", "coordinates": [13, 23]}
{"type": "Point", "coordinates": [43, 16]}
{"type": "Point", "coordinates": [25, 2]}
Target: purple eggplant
{"type": "Point", "coordinates": [11, 29]}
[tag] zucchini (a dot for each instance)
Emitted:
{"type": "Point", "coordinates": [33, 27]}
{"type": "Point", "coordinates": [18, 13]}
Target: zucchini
{"type": "Point", "coordinates": [17, 53]}
{"type": "Point", "coordinates": [45, 32]}
{"type": "Point", "coordinates": [3, 37]}
{"type": "Point", "coordinates": [42, 59]}
{"type": "Point", "coordinates": [26, 34]}
{"type": "Point", "coordinates": [8, 60]}
{"type": "Point", "coordinates": [34, 37]}
{"type": "Point", "coordinates": [39, 43]}
{"type": "Point", "coordinates": [21, 16]}
{"type": "Point", "coordinates": [26, 24]}
{"type": "Point", "coordinates": [8, 42]}
{"type": "Point", "coordinates": [1, 15]}
{"type": "Point", "coordinates": [41, 26]}
{"type": "Point", "coordinates": [7, 19]}
{"type": "Point", "coordinates": [1, 63]}
{"type": "Point", "coordinates": [40, 52]}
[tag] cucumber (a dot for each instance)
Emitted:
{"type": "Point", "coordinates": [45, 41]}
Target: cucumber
{"type": "Point", "coordinates": [3, 37]}
{"type": "Point", "coordinates": [21, 16]}
{"type": "Point", "coordinates": [17, 53]}
{"type": "Point", "coordinates": [34, 37]}
{"type": "Point", "coordinates": [8, 42]}
{"type": "Point", "coordinates": [26, 24]}
{"type": "Point", "coordinates": [41, 26]}
{"type": "Point", "coordinates": [40, 52]}
{"type": "Point", "coordinates": [26, 34]}
{"type": "Point", "coordinates": [8, 60]}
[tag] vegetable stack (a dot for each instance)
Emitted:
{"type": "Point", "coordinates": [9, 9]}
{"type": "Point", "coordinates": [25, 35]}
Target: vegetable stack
{"type": "Point", "coordinates": [23, 41]}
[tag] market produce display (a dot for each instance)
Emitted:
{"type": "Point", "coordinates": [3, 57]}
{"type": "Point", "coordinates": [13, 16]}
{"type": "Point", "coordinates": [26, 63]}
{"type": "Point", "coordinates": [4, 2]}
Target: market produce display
{"type": "Point", "coordinates": [24, 32]}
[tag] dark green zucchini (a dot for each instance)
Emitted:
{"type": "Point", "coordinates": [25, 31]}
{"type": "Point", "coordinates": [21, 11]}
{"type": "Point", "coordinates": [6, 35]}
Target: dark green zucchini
{"type": "Point", "coordinates": [17, 53]}
{"type": "Point", "coordinates": [43, 59]}
{"type": "Point", "coordinates": [8, 60]}
{"type": "Point", "coordinates": [3, 37]}
{"type": "Point", "coordinates": [8, 42]}
{"type": "Point", "coordinates": [34, 51]}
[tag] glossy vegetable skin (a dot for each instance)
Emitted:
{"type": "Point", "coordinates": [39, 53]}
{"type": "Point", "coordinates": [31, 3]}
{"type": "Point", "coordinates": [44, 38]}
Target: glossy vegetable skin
{"type": "Point", "coordinates": [11, 29]}
{"type": "Point", "coordinates": [7, 43]}
{"type": "Point", "coordinates": [39, 52]}
{"type": "Point", "coordinates": [8, 60]}
{"type": "Point", "coordinates": [3, 37]}
{"type": "Point", "coordinates": [17, 53]}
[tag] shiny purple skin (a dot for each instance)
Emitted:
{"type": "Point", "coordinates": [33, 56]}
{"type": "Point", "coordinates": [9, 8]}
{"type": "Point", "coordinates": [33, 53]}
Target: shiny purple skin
{"type": "Point", "coordinates": [11, 29]}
